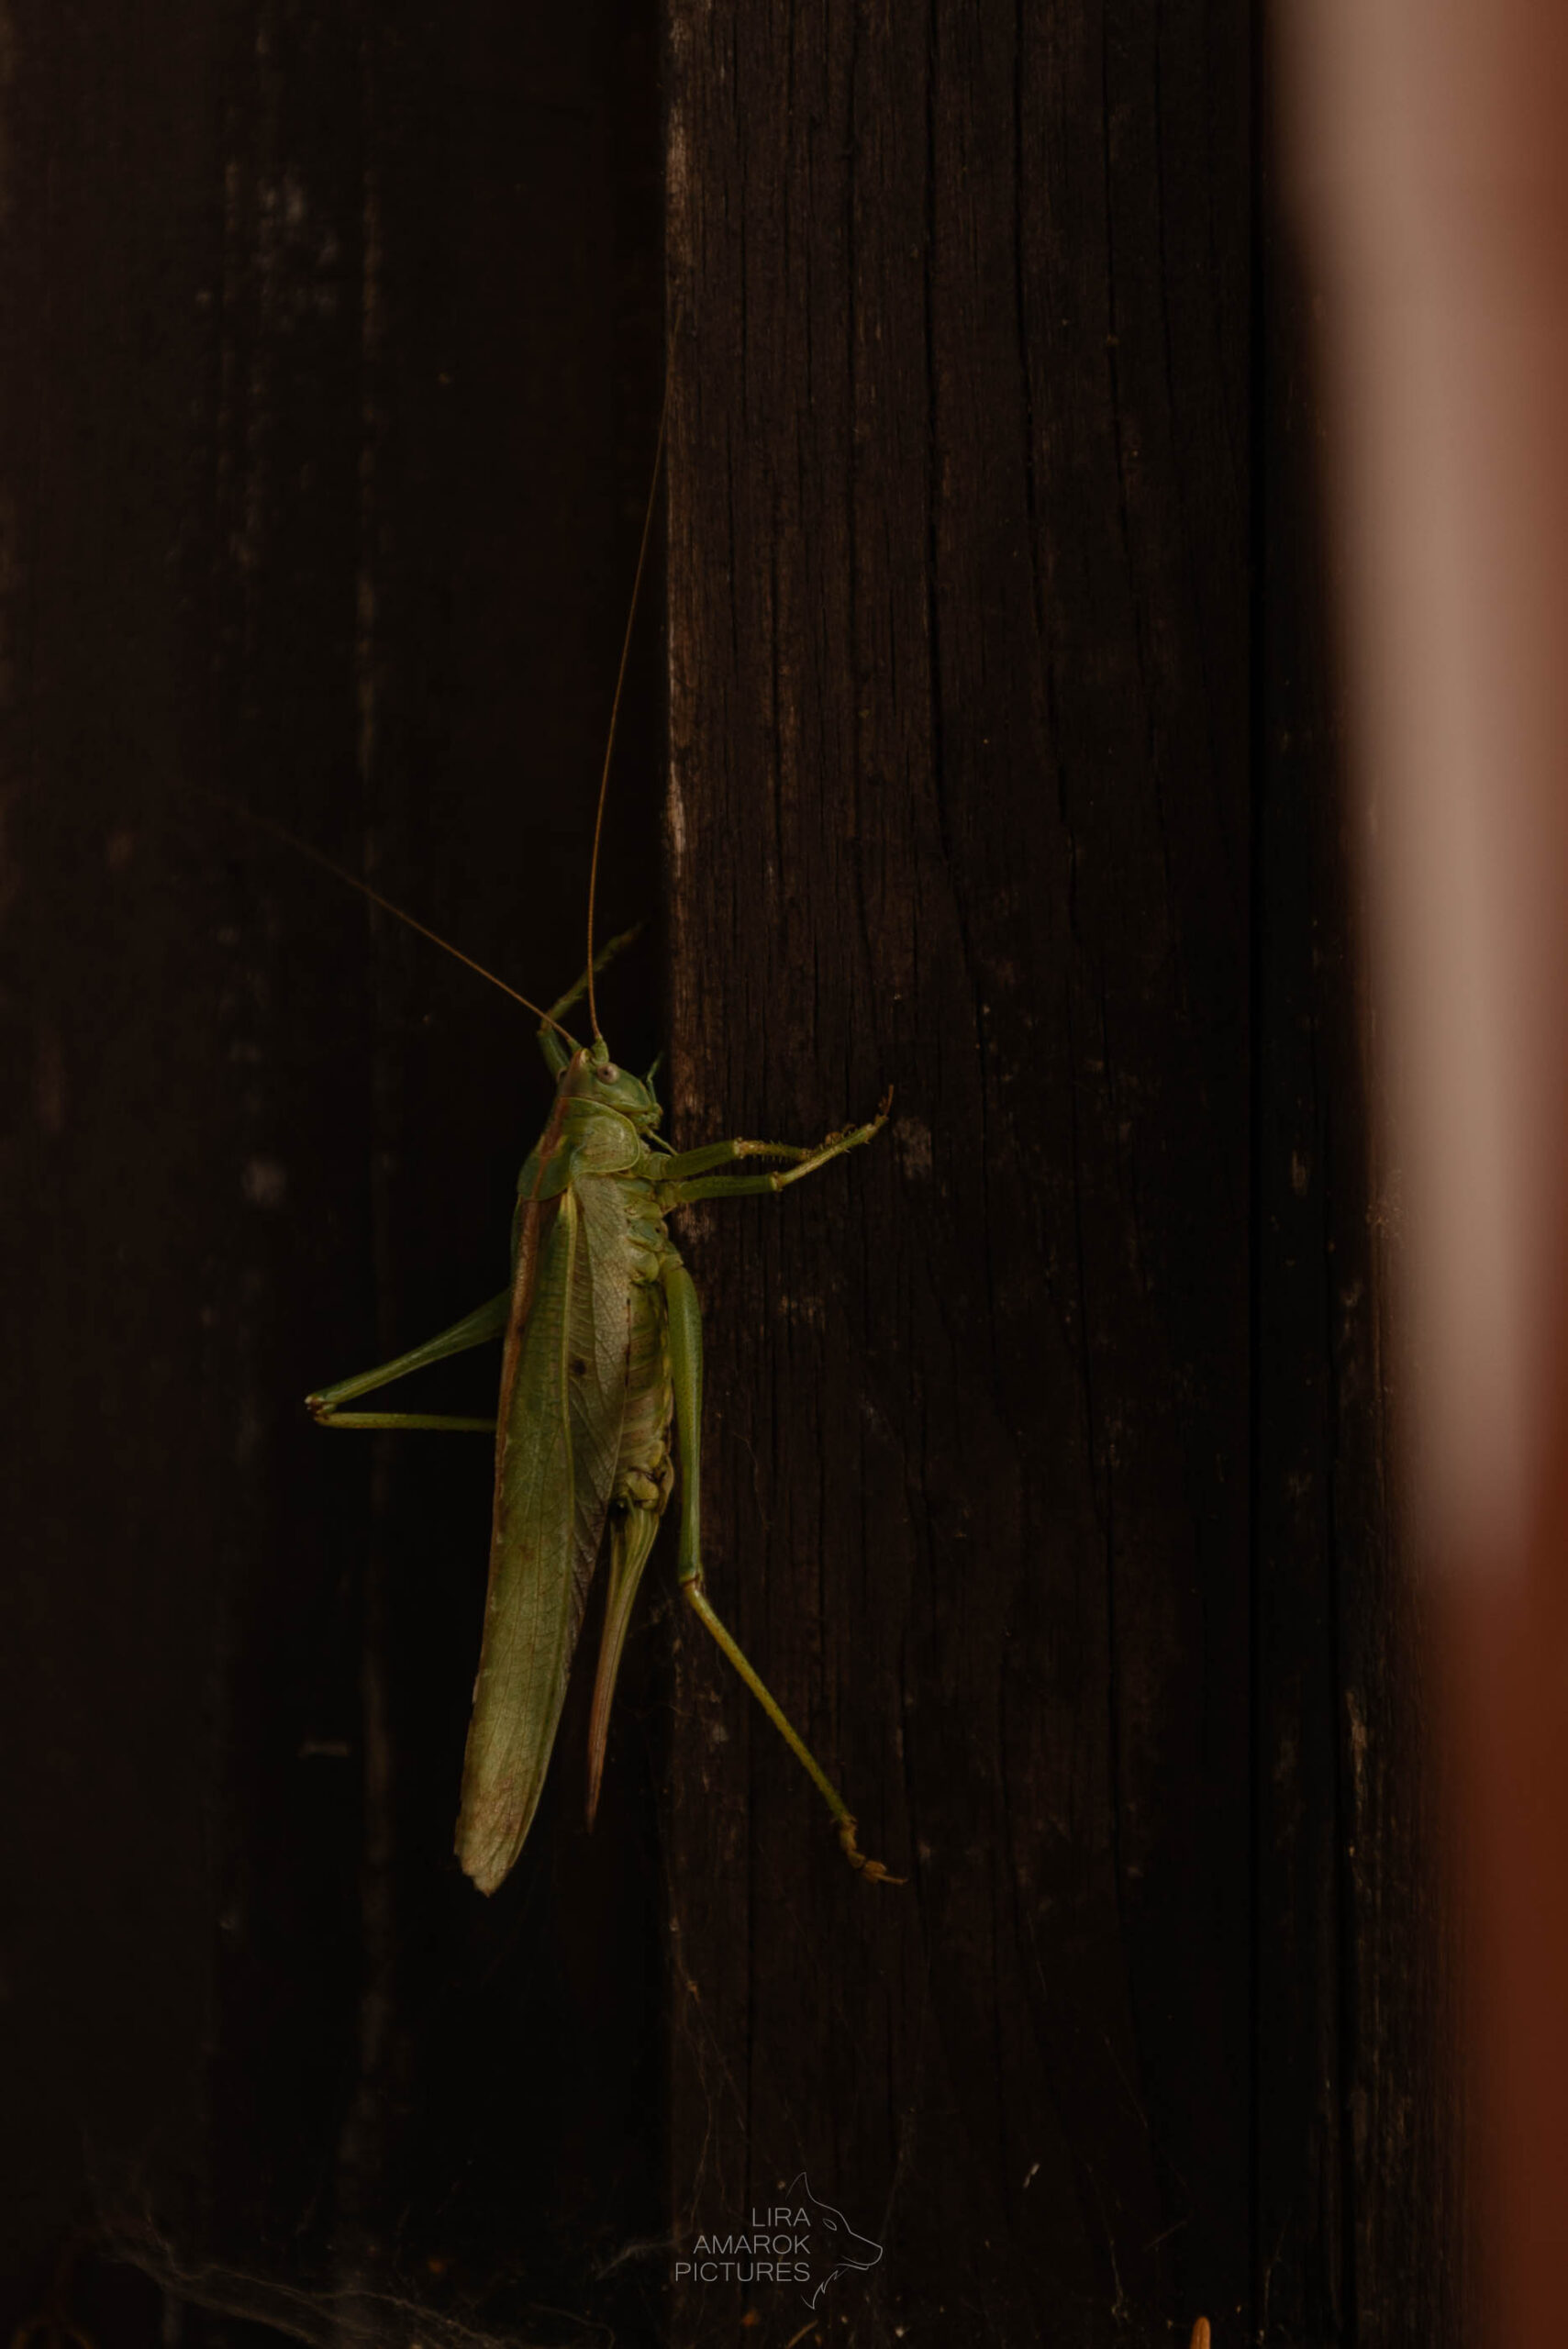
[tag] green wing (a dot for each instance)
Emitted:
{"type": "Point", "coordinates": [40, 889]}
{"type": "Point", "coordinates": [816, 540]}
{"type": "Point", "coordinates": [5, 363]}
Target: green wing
{"type": "Point", "coordinates": [563, 1397]}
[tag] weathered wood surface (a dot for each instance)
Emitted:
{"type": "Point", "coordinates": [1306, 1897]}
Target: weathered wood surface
{"type": "Point", "coordinates": [1046, 1447]}
{"type": "Point", "coordinates": [1045, 1471]}
{"type": "Point", "coordinates": [959, 799]}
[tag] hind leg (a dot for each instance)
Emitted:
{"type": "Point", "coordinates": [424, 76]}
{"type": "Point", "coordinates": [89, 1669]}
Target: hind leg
{"type": "Point", "coordinates": [685, 1363]}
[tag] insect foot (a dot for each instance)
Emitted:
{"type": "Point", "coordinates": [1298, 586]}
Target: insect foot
{"type": "Point", "coordinates": [872, 1870]}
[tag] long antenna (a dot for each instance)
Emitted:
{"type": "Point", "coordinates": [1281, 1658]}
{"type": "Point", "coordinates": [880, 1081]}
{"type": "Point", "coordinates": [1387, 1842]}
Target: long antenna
{"type": "Point", "coordinates": [614, 705]}
{"type": "Point", "coordinates": [352, 880]}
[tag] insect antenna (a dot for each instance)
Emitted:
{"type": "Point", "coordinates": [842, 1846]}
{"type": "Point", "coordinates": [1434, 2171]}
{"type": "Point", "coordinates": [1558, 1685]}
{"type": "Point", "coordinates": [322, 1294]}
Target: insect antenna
{"type": "Point", "coordinates": [614, 705]}
{"type": "Point", "coordinates": [410, 921]}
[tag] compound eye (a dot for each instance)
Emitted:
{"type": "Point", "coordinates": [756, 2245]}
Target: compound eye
{"type": "Point", "coordinates": [608, 1073]}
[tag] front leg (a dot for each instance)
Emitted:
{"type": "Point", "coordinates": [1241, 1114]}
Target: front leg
{"type": "Point", "coordinates": [685, 1370]}
{"type": "Point", "coordinates": [688, 1176]}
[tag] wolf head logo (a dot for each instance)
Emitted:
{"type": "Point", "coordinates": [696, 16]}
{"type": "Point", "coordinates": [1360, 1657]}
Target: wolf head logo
{"type": "Point", "coordinates": [835, 2246]}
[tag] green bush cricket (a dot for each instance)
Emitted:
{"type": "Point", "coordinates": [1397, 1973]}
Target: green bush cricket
{"type": "Point", "coordinates": [602, 1349]}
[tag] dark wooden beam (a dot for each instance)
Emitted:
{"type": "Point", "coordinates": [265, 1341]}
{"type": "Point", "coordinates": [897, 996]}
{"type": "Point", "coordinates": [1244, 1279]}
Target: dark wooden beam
{"type": "Point", "coordinates": [959, 632]}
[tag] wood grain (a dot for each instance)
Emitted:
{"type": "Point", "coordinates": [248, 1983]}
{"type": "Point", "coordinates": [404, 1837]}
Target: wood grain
{"type": "Point", "coordinates": [1047, 1473]}
{"type": "Point", "coordinates": [959, 801]}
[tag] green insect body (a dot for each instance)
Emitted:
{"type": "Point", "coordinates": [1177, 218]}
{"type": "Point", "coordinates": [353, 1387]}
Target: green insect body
{"type": "Point", "coordinates": [602, 1351]}
{"type": "Point", "coordinates": [583, 1444]}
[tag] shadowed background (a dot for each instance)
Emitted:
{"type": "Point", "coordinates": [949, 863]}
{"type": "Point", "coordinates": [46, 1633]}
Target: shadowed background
{"type": "Point", "coordinates": [331, 389]}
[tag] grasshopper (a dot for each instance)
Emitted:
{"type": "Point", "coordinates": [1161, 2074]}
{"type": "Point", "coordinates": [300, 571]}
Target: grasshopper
{"type": "Point", "coordinates": [601, 1349]}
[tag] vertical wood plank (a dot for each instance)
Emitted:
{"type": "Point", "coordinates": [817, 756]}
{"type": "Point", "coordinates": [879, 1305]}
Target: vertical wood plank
{"type": "Point", "coordinates": [959, 800]}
